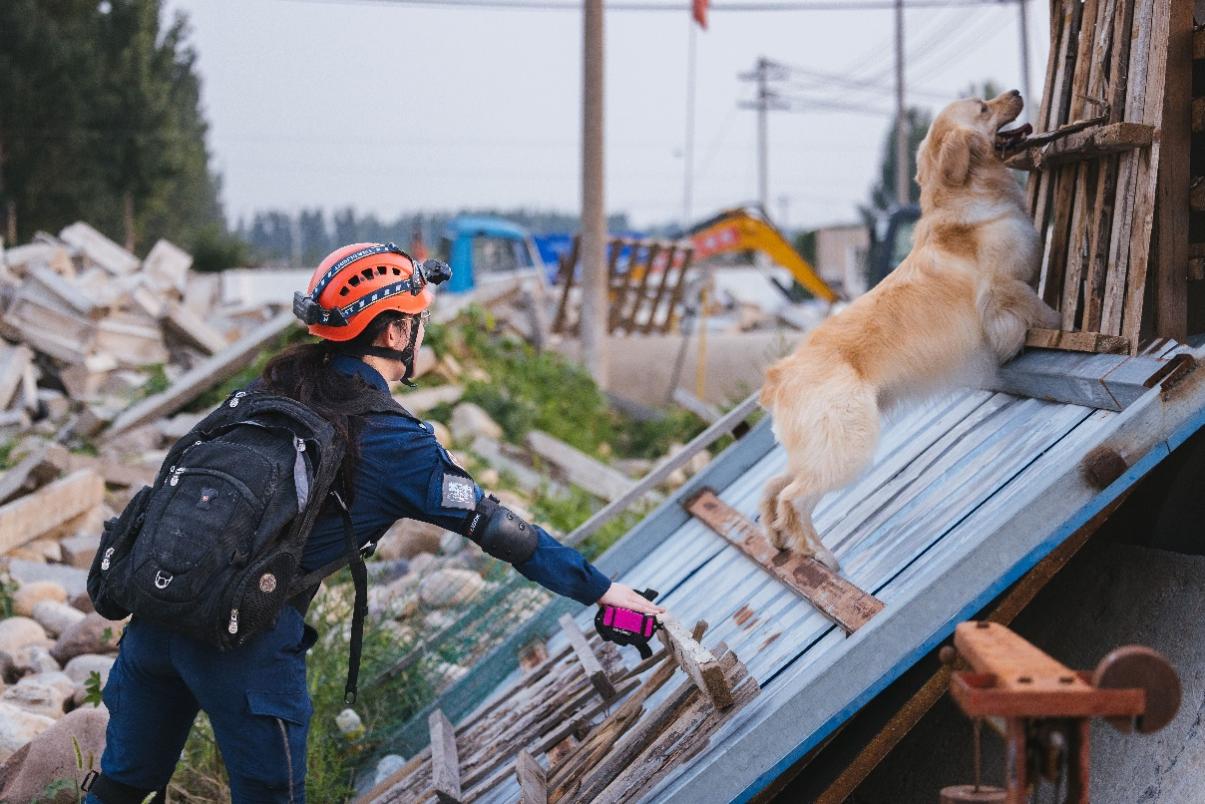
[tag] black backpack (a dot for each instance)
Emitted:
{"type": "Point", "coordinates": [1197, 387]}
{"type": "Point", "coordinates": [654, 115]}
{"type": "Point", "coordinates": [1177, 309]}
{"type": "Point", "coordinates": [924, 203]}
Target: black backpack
{"type": "Point", "coordinates": [213, 548]}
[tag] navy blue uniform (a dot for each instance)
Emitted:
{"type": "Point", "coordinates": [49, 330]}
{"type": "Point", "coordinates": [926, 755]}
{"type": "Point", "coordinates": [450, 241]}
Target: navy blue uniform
{"type": "Point", "coordinates": [256, 695]}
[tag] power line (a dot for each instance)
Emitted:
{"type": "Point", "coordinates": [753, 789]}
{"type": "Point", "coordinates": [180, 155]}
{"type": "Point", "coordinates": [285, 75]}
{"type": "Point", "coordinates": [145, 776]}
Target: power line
{"type": "Point", "coordinates": [625, 5]}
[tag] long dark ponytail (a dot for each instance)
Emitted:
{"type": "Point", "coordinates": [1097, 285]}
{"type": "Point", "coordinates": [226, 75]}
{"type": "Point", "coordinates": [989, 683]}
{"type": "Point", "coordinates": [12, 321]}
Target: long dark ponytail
{"type": "Point", "coordinates": [303, 372]}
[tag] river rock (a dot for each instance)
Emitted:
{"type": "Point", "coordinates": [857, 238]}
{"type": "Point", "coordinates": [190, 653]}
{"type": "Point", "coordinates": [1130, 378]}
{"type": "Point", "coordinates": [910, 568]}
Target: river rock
{"type": "Point", "coordinates": [56, 617]}
{"type": "Point", "coordinates": [33, 659]}
{"type": "Point", "coordinates": [51, 755]}
{"type": "Point", "coordinates": [84, 665]}
{"type": "Point", "coordinates": [470, 421]}
{"type": "Point", "coordinates": [387, 766]}
{"type": "Point", "coordinates": [441, 432]}
{"type": "Point", "coordinates": [18, 727]}
{"type": "Point", "coordinates": [48, 549]}
{"type": "Point", "coordinates": [407, 538]}
{"type": "Point", "coordinates": [421, 564]}
{"type": "Point", "coordinates": [83, 603]}
{"type": "Point", "coordinates": [72, 579]}
{"type": "Point", "coordinates": [381, 572]}
{"type": "Point", "coordinates": [17, 632]}
{"type": "Point", "coordinates": [80, 549]}
{"type": "Point", "coordinates": [93, 634]}
{"type": "Point", "coordinates": [451, 543]}
{"type": "Point", "coordinates": [449, 587]}
{"type": "Point", "coordinates": [54, 678]}
{"type": "Point", "coordinates": [36, 697]}
{"type": "Point", "coordinates": [33, 593]}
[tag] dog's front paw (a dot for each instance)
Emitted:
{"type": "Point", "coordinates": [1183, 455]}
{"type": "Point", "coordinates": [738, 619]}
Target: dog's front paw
{"type": "Point", "coordinates": [825, 556]}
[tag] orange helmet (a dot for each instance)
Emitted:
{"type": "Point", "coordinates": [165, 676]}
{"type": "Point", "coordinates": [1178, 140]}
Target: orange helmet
{"type": "Point", "coordinates": [356, 283]}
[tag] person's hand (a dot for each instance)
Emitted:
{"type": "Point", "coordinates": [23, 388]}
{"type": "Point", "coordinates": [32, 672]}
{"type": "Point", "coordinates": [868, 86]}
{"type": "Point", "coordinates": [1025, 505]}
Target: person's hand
{"type": "Point", "coordinates": [625, 597]}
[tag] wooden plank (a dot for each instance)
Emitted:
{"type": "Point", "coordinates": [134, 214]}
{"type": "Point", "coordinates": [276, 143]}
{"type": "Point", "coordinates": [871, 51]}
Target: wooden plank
{"type": "Point", "coordinates": [1148, 175]}
{"type": "Point", "coordinates": [34, 514]}
{"type": "Point", "coordinates": [836, 598]}
{"type": "Point", "coordinates": [640, 737]}
{"type": "Point", "coordinates": [1198, 44]}
{"type": "Point", "coordinates": [675, 297]}
{"type": "Point", "coordinates": [533, 784]}
{"type": "Point", "coordinates": [579, 468]}
{"type": "Point", "coordinates": [203, 376]}
{"type": "Point", "coordinates": [1092, 380]}
{"type": "Point", "coordinates": [586, 658]}
{"type": "Point", "coordinates": [1171, 204]}
{"type": "Point", "coordinates": [568, 266]}
{"type": "Point", "coordinates": [1091, 143]}
{"type": "Point", "coordinates": [1075, 341]}
{"type": "Point", "coordinates": [663, 470]}
{"type": "Point", "coordinates": [445, 765]}
{"type": "Point", "coordinates": [695, 660]}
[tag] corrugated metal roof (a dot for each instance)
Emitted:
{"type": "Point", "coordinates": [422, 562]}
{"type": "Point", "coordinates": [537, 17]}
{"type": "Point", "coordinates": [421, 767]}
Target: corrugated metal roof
{"type": "Point", "coordinates": [964, 496]}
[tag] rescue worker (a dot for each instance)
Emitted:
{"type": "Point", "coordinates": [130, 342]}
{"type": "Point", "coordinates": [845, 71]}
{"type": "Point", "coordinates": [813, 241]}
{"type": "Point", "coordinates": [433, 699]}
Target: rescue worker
{"type": "Point", "coordinates": [255, 695]}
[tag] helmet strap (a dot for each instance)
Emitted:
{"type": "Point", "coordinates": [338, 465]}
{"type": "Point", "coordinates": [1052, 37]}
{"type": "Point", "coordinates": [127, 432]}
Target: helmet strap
{"type": "Point", "coordinates": [406, 356]}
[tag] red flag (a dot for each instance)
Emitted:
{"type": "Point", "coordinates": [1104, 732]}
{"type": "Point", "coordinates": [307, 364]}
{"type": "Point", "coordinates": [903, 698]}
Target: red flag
{"type": "Point", "coordinates": [699, 12]}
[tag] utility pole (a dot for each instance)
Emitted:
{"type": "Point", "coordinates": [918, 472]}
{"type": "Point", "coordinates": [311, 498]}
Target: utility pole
{"type": "Point", "coordinates": [903, 182]}
{"type": "Point", "coordinates": [1024, 26]}
{"type": "Point", "coordinates": [594, 219]}
{"type": "Point", "coordinates": [767, 99]}
{"type": "Point", "coordinates": [688, 155]}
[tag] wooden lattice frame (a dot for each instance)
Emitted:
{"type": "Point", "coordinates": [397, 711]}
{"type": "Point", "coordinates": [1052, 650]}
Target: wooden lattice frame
{"type": "Point", "coordinates": [1109, 188]}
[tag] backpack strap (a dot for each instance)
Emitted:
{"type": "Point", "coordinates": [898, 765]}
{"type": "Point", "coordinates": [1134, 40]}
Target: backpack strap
{"type": "Point", "coordinates": [359, 577]}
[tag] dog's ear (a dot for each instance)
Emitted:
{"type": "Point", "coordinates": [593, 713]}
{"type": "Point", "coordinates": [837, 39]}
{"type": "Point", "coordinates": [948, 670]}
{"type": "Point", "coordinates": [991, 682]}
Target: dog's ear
{"type": "Point", "coordinates": [961, 149]}
{"type": "Point", "coordinates": [924, 162]}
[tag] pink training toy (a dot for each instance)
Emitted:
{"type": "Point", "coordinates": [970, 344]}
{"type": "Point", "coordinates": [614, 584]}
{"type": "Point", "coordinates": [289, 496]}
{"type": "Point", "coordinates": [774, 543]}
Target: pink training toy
{"type": "Point", "coordinates": [627, 627]}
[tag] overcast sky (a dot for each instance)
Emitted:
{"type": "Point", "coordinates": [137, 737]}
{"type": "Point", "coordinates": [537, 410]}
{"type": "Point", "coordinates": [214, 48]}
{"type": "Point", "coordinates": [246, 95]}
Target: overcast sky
{"type": "Point", "coordinates": [396, 108]}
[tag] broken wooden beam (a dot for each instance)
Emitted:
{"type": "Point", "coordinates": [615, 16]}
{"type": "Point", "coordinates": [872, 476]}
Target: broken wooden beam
{"type": "Point", "coordinates": [695, 660]}
{"type": "Point", "coordinates": [579, 468]}
{"type": "Point", "coordinates": [202, 377]}
{"type": "Point", "coordinates": [35, 514]}
{"type": "Point", "coordinates": [585, 656]}
{"type": "Point", "coordinates": [833, 596]}
{"type": "Point", "coordinates": [1198, 115]}
{"type": "Point", "coordinates": [1102, 381]}
{"type": "Point", "coordinates": [1076, 341]}
{"type": "Point", "coordinates": [1081, 145]}
{"type": "Point", "coordinates": [1196, 194]}
{"type": "Point", "coordinates": [533, 782]}
{"type": "Point", "coordinates": [445, 765]}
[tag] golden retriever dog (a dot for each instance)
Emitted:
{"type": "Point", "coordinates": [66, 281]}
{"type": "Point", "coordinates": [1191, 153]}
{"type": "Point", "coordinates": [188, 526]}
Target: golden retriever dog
{"type": "Point", "coordinates": [958, 305]}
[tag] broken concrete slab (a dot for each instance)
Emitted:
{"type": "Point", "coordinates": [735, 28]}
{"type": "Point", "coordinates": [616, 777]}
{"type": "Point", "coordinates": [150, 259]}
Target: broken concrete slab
{"type": "Point", "coordinates": [38, 513]}
{"type": "Point", "coordinates": [167, 266]}
{"type": "Point", "coordinates": [99, 249]}
{"type": "Point", "coordinates": [204, 376]}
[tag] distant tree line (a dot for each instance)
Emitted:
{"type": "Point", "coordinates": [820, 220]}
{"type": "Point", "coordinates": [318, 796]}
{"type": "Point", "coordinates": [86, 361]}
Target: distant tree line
{"type": "Point", "coordinates": [280, 238]}
{"type": "Point", "coordinates": [100, 121]}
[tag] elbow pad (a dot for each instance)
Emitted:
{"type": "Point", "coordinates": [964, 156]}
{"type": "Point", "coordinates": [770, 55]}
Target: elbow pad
{"type": "Point", "coordinates": [502, 533]}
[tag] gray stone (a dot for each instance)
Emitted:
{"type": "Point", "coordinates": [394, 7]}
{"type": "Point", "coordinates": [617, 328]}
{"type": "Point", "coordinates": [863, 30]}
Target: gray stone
{"type": "Point", "coordinates": [449, 587]}
{"type": "Point", "coordinates": [451, 543]}
{"type": "Point", "coordinates": [18, 727]}
{"type": "Point", "coordinates": [83, 603]}
{"type": "Point", "coordinates": [407, 538]}
{"type": "Point", "coordinates": [470, 420]}
{"type": "Point", "coordinates": [93, 634]}
{"type": "Point", "coordinates": [17, 632]}
{"type": "Point", "coordinates": [50, 755]}
{"type": "Point", "coordinates": [72, 579]}
{"type": "Point", "coordinates": [422, 563]}
{"type": "Point", "coordinates": [80, 549]}
{"type": "Point", "coordinates": [56, 617]}
{"type": "Point", "coordinates": [33, 659]}
{"type": "Point", "coordinates": [380, 572]}
{"type": "Point", "coordinates": [52, 678]}
{"type": "Point", "coordinates": [84, 665]}
{"type": "Point", "coordinates": [36, 698]}
{"type": "Point", "coordinates": [387, 766]}
{"type": "Point", "coordinates": [34, 592]}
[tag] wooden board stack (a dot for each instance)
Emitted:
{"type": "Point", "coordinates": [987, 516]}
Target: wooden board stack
{"type": "Point", "coordinates": [584, 714]}
{"type": "Point", "coordinates": [1109, 187]}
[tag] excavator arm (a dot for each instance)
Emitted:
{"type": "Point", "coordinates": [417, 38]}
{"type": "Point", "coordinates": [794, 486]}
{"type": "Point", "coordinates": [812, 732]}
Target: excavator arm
{"type": "Point", "coordinates": [748, 229]}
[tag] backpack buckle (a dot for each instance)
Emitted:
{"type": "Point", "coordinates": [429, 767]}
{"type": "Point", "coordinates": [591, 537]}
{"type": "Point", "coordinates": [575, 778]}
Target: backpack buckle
{"type": "Point", "coordinates": [162, 579]}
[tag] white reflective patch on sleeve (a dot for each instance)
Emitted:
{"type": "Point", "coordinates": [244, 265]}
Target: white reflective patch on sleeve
{"type": "Point", "coordinates": [459, 492]}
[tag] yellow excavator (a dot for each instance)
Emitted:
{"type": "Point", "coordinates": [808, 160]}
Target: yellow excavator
{"type": "Point", "coordinates": [748, 229]}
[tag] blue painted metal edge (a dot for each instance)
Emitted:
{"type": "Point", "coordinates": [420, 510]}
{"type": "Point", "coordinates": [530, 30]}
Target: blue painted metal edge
{"type": "Point", "coordinates": [1097, 504]}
